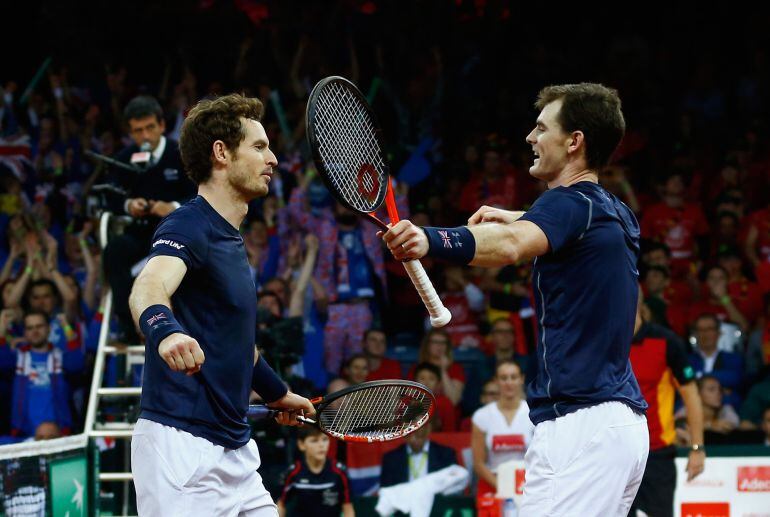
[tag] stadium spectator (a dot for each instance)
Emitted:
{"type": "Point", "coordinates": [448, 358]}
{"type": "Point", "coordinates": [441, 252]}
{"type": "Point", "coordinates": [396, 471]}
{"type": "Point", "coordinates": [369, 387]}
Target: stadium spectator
{"type": "Point", "coordinates": [153, 191]}
{"type": "Point", "coordinates": [40, 393]}
{"type": "Point", "coordinates": [379, 366]}
{"type": "Point", "coordinates": [351, 269]}
{"type": "Point", "coordinates": [708, 359]}
{"type": "Point", "coordinates": [718, 417]}
{"type": "Point", "coordinates": [502, 337]}
{"type": "Point", "coordinates": [495, 183]}
{"type": "Point", "coordinates": [501, 430]}
{"type": "Point", "coordinates": [466, 302]}
{"type": "Point", "coordinates": [490, 392]}
{"type": "Point", "coordinates": [757, 354]}
{"type": "Point", "coordinates": [436, 348]}
{"type": "Point", "coordinates": [315, 484]}
{"type": "Point", "coordinates": [354, 371]}
{"type": "Point", "coordinates": [677, 223]}
{"type": "Point", "coordinates": [446, 413]}
{"type": "Point", "coordinates": [757, 400]}
{"type": "Point", "coordinates": [745, 294]}
{"type": "Point", "coordinates": [717, 300]}
{"type": "Point", "coordinates": [416, 458]}
{"type": "Point", "coordinates": [47, 431]}
{"type": "Point", "coordinates": [263, 246]}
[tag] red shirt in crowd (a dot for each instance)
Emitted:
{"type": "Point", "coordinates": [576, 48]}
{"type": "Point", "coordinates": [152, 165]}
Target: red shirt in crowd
{"type": "Point", "coordinates": [677, 228]}
{"type": "Point", "coordinates": [761, 220]}
{"type": "Point", "coordinates": [389, 369]}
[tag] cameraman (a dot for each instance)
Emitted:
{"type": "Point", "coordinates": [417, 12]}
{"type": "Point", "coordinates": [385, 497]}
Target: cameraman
{"type": "Point", "coordinates": [153, 191]}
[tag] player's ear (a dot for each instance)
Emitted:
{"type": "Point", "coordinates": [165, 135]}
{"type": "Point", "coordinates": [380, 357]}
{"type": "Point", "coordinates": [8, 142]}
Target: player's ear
{"type": "Point", "coordinates": [219, 152]}
{"type": "Point", "coordinates": [576, 141]}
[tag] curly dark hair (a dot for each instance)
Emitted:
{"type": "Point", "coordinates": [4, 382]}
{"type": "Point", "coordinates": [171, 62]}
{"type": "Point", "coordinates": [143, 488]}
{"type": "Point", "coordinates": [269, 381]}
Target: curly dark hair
{"type": "Point", "coordinates": [211, 120]}
{"type": "Point", "coordinates": [593, 109]}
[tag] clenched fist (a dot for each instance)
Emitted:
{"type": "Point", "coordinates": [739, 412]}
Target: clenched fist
{"type": "Point", "coordinates": [181, 353]}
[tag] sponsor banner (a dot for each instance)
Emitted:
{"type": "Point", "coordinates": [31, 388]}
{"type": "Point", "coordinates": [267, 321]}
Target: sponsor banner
{"type": "Point", "coordinates": [728, 487]}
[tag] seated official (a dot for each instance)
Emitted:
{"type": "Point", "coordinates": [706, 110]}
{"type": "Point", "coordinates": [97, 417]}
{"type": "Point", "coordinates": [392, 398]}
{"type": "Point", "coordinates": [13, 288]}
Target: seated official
{"type": "Point", "coordinates": [153, 191]}
{"type": "Point", "coordinates": [418, 457]}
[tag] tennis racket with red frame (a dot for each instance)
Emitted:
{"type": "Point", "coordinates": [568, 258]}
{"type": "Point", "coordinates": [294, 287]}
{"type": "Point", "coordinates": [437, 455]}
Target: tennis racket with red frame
{"type": "Point", "coordinates": [376, 411]}
{"type": "Point", "coordinates": [346, 142]}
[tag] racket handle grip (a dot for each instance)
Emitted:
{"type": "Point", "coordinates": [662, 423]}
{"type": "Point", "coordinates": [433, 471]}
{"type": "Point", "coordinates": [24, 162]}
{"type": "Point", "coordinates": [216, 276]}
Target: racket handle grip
{"type": "Point", "coordinates": [439, 315]}
{"type": "Point", "coordinates": [259, 412]}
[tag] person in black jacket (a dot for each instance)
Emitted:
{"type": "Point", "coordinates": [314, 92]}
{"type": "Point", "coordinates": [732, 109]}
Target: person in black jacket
{"type": "Point", "coordinates": [153, 191]}
{"type": "Point", "coordinates": [418, 457]}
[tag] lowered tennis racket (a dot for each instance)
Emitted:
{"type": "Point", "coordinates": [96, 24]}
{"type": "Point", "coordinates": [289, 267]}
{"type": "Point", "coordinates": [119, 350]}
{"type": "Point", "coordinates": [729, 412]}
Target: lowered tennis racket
{"type": "Point", "coordinates": [376, 411]}
{"type": "Point", "coordinates": [345, 140]}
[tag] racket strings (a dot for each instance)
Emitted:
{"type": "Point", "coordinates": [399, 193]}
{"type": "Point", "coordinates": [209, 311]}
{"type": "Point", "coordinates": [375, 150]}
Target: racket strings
{"type": "Point", "coordinates": [375, 412]}
{"type": "Point", "coordinates": [346, 139]}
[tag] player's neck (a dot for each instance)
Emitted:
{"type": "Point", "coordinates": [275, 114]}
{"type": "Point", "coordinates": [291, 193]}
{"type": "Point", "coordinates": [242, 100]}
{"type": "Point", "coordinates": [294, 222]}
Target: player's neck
{"type": "Point", "coordinates": [572, 173]}
{"type": "Point", "coordinates": [225, 203]}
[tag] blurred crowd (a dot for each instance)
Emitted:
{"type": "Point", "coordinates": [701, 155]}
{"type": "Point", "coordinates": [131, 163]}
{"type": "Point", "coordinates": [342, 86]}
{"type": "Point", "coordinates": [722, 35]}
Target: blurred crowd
{"type": "Point", "coordinates": [334, 308]}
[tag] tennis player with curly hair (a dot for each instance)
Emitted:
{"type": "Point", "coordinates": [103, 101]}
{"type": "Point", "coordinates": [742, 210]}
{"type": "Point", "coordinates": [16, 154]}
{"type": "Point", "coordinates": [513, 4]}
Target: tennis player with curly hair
{"type": "Point", "coordinates": [191, 452]}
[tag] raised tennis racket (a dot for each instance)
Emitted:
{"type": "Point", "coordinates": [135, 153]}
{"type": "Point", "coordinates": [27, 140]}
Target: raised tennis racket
{"type": "Point", "coordinates": [346, 142]}
{"type": "Point", "coordinates": [376, 411]}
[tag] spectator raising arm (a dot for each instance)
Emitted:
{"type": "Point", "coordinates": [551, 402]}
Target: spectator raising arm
{"type": "Point", "coordinates": [92, 272]}
{"type": "Point", "coordinates": [296, 301]}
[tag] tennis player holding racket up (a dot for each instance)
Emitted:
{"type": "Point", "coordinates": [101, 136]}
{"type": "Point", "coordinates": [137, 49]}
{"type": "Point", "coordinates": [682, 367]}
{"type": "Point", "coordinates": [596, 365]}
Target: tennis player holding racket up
{"type": "Point", "coordinates": [191, 452]}
{"type": "Point", "coordinates": [590, 444]}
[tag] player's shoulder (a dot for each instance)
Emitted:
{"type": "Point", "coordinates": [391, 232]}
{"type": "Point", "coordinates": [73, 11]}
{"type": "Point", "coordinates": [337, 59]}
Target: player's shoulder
{"type": "Point", "coordinates": [566, 197]}
{"type": "Point", "coordinates": [190, 218]}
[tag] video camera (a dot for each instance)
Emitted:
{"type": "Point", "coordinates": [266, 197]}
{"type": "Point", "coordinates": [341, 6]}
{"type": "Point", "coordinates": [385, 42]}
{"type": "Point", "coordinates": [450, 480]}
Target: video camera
{"type": "Point", "coordinates": [281, 340]}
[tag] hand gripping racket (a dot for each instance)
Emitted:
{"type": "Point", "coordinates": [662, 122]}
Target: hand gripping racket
{"type": "Point", "coordinates": [376, 411]}
{"type": "Point", "coordinates": [345, 139]}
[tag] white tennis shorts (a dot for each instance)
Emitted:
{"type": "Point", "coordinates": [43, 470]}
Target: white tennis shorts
{"type": "Point", "coordinates": [178, 474]}
{"type": "Point", "coordinates": [586, 463]}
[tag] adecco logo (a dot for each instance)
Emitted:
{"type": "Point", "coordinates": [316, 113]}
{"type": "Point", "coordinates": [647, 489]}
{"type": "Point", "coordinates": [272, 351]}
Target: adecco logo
{"type": "Point", "coordinates": [705, 509]}
{"type": "Point", "coordinates": [753, 479]}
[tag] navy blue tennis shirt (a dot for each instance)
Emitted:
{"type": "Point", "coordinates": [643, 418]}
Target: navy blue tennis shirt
{"type": "Point", "coordinates": [586, 295]}
{"type": "Point", "coordinates": [216, 304]}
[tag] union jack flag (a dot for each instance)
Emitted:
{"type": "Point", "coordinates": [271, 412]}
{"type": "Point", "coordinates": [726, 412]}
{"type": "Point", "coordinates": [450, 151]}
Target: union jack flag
{"type": "Point", "coordinates": [15, 154]}
{"type": "Point", "coordinates": [153, 320]}
{"type": "Point", "coordinates": [445, 237]}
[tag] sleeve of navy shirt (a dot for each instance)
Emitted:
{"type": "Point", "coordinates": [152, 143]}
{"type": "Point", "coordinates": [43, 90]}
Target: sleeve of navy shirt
{"type": "Point", "coordinates": [216, 305]}
{"type": "Point", "coordinates": [676, 359]}
{"type": "Point", "coordinates": [562, 215]}
{"type": "Point", "coordinates": [179, 237]}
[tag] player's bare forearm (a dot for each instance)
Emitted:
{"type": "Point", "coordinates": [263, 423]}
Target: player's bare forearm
{"type": "Point", "coordinates": [348, 510]}
{"type": "Point", "coordinates": [692, 403]}
{"type": "Point", "coordinates": [500, 244]}
{"type": "Point", "coordinates": [155, 285]}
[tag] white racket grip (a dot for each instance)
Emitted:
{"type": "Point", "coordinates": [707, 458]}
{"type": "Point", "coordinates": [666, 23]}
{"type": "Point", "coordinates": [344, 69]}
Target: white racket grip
{"type": "Point", "coordinates": [439, 315]}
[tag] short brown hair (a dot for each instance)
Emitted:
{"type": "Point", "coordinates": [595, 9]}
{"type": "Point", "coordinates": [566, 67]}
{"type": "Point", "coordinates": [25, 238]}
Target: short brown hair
{"type": "Point", "coordinates": [593, 109]}
{"type": "Point", "coordinates": [306, 431]}
{"type": "Point", "coordinates": [211, 120]}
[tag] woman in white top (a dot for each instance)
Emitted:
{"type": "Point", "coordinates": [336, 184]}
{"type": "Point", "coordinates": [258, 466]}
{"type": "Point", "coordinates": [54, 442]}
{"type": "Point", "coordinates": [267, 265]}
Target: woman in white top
{"type": "Point", "coordinates": [501, 430]}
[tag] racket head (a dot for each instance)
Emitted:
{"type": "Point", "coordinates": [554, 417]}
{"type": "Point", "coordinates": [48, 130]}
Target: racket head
{"type": "Point", "coordinates": [376, 411]}
{"type": "Point", "coordinates": [346, 144]}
